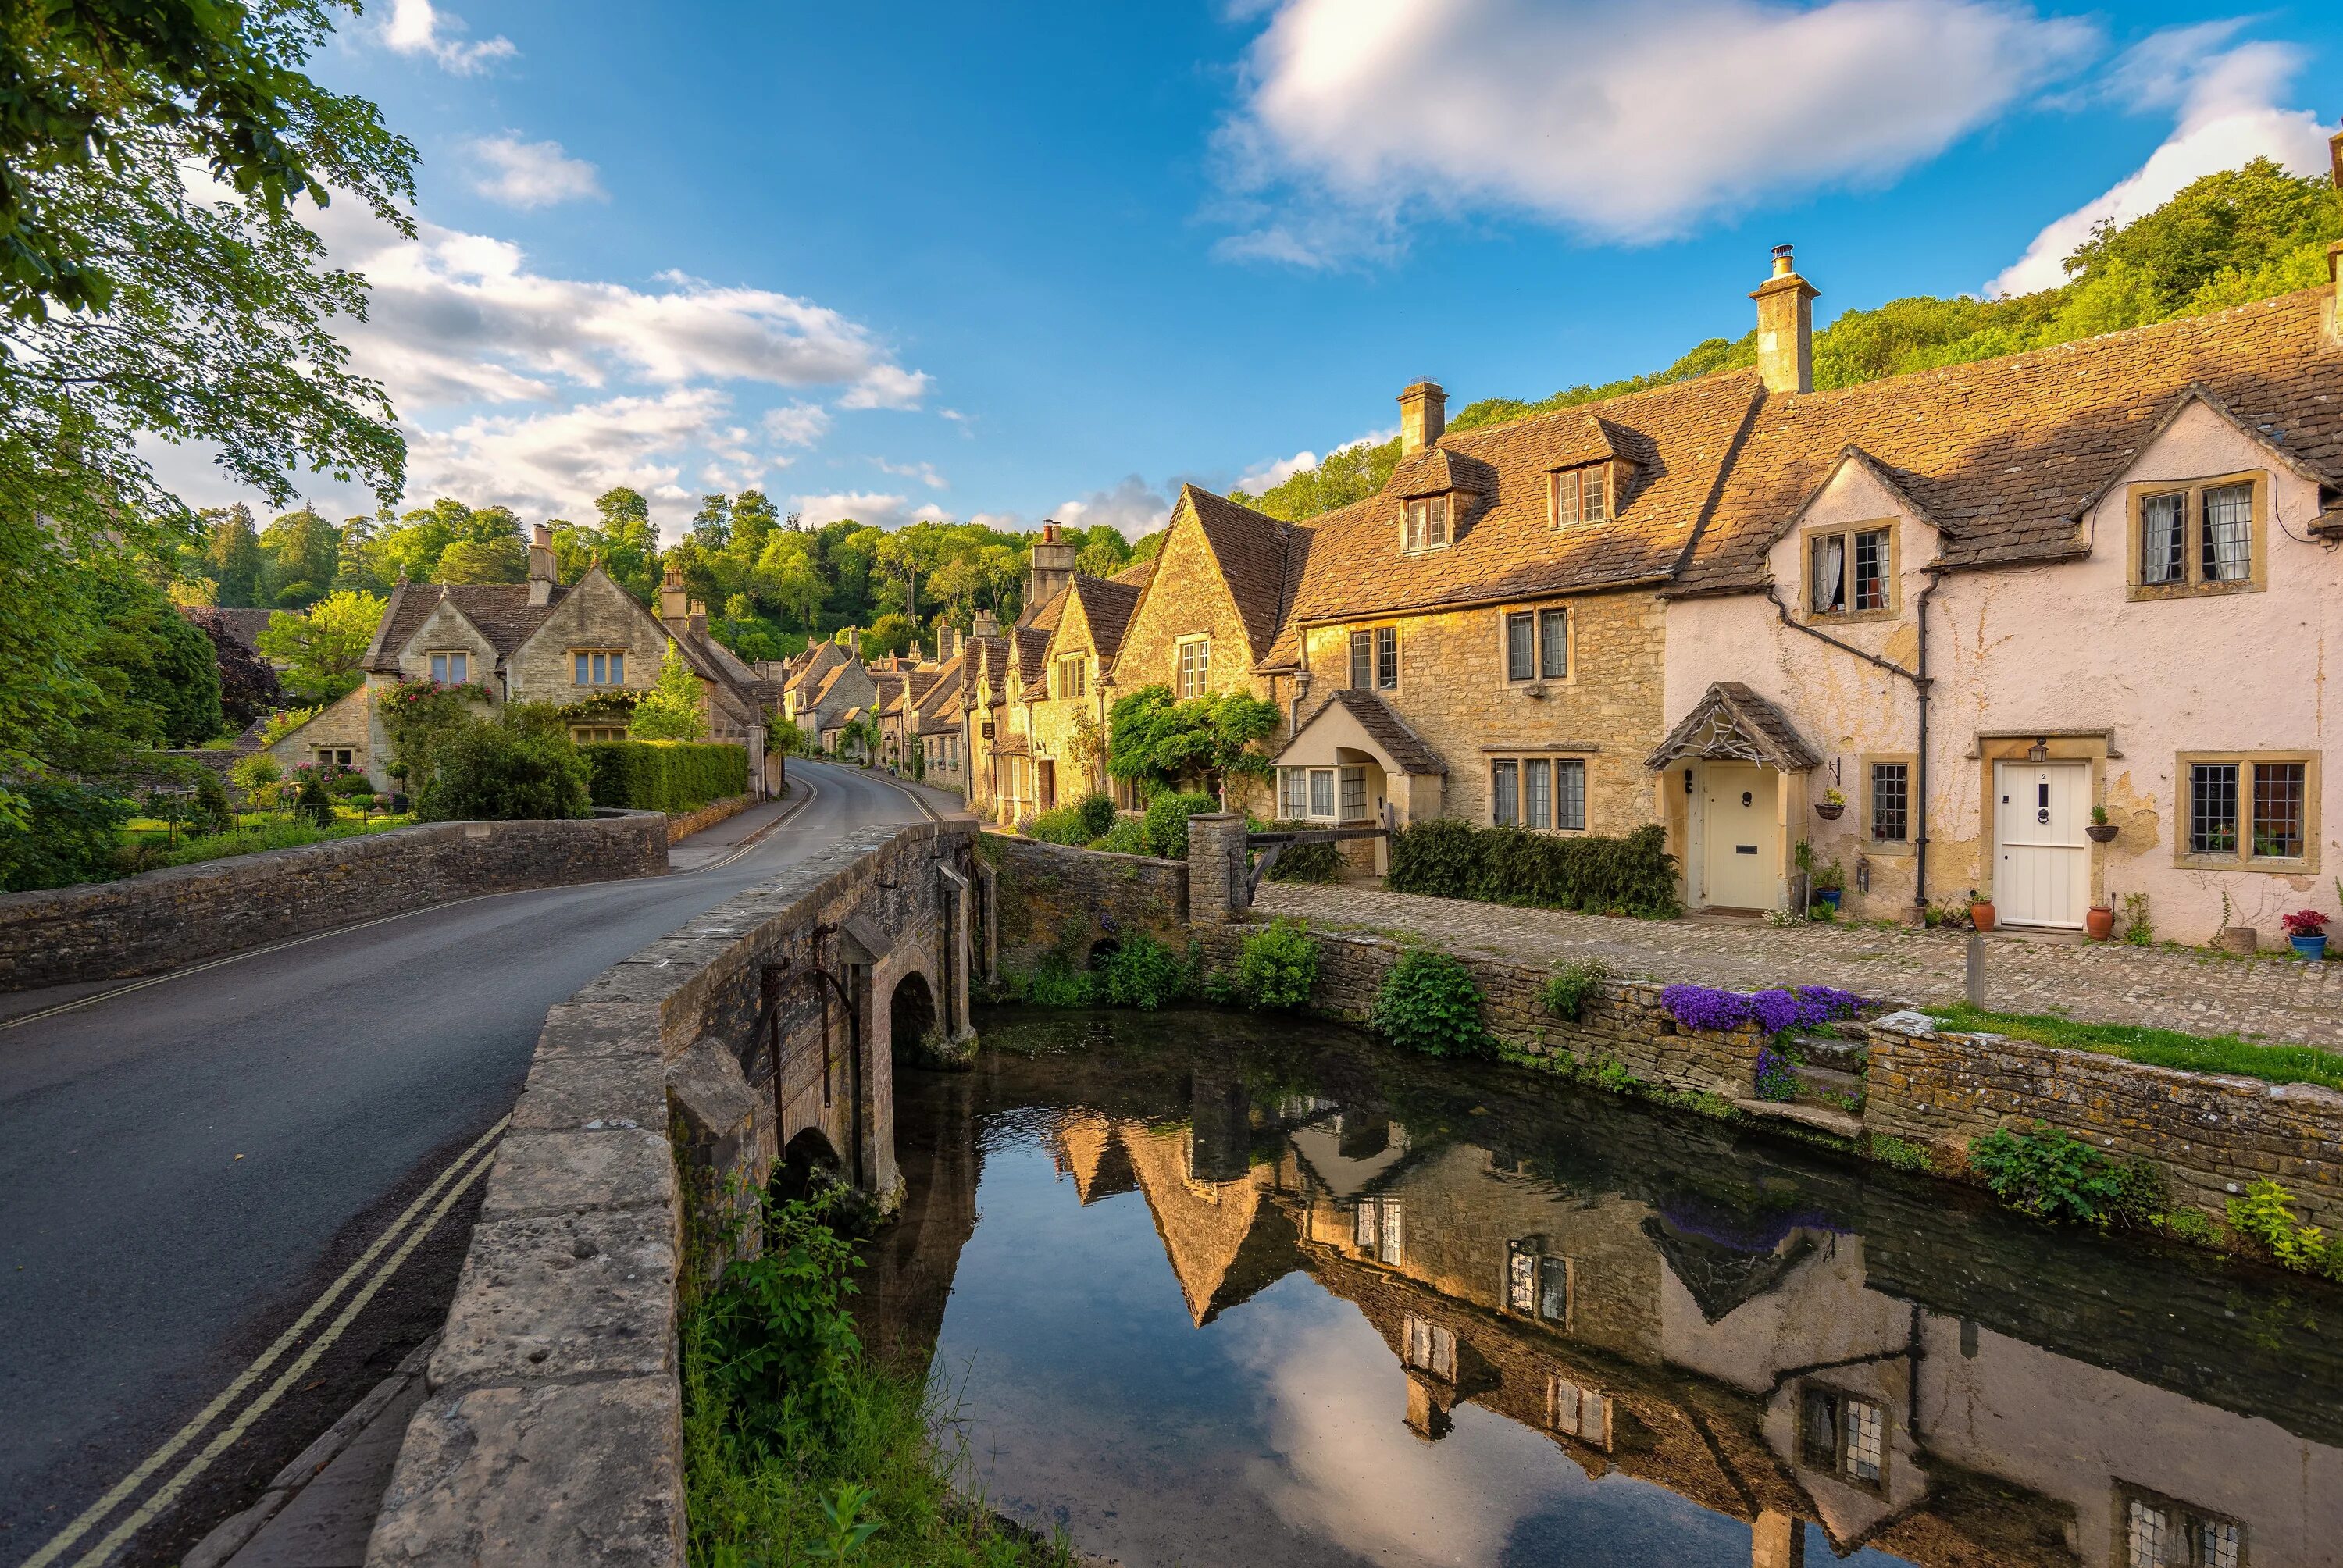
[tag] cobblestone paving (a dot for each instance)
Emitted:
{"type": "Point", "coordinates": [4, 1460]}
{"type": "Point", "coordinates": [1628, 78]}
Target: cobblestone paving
{"type": "Point", "coordinates": [2267, 998]}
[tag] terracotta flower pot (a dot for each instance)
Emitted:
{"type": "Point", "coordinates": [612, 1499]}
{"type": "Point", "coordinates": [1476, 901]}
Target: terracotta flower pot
{"type": "Point", "coordinates": [1981, 914]}
{"type": "Point", "coordinates": [2099, 922]}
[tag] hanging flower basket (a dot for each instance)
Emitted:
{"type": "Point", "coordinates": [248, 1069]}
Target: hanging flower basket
{"type": "Point", "coordinates": [1828, 812]}
{"type": "Point", "coordinates": [2101, 832]}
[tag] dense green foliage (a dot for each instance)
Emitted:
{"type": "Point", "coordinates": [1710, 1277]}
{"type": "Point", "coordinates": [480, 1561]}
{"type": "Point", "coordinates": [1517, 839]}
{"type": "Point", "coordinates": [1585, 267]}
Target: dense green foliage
{"type": "Point", "coordinates": [1277, 966]}
{"type": "Point", "coordinates": [494, 770]}
{"type": "Point", "coordinates": [1448, 859]}
{"type": "Point", "coordinates": [664, 776]}
{"type": "Point", "coordinates": [1141, 972]}
{"type": "Point", "coordinates": [2156, 1047]}
{"type": "Point", "coordinates": [1078, 823]}
{"type": "Point", "coordinates": [1127, 836]}
{"type": "Point", "coordinates": [323, 646]}
{"type": "Point", "coordinates": [1167, 822]}
{"type": "Point", "coordinates": [1568, 989]}
{"type": "Point", "coordinates": [1157, 740]}
{"type": "Point", "coordinates": [2265, 1213]}
{"type": "Point", "coordinates": [2225, 239]}
{"type": "Point", "coordinates": [2059, 1178]}
{"type": "Point", "coordinates": [1304, 862]}
{"type": "Point", "coordinates": [71, 833]}
{"type": "Point", "coordinates": [670, 710]}
{"type": "Point", "coordinates": [156, 670]}
{"type": "Point", "coordinates": [1428, 1002]}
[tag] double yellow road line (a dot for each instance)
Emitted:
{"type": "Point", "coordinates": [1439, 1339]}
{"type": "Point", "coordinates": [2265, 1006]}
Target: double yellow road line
{"type": "Point", "coordinates": [373, 1268]}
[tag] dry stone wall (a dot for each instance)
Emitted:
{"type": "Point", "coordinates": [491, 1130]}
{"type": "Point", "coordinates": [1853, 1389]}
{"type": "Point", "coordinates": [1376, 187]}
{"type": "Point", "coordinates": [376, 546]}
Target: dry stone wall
{"type": "Point", "coordinates": [157, 919]}
{"type": "Point", "coordinates": [1053, 897]}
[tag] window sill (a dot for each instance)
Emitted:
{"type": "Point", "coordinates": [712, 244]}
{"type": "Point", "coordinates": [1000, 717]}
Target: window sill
{"type": "Point", "coordinates": [1853, 617]}
{"type": "Point", "coordinates": [2142, 593]}
{"type": "Point", "coordinates": [2269, 865]}
{"type": "Point", "coordinates": [1890, 848]}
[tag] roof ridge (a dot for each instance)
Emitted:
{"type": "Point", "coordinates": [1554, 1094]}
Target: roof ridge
{"type": "Point", "coordinates": [1591, 408]}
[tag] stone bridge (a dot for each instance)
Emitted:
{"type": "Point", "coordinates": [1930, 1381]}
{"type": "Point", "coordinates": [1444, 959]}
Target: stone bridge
{"type": "Point", "coordinates": [660, 1098]}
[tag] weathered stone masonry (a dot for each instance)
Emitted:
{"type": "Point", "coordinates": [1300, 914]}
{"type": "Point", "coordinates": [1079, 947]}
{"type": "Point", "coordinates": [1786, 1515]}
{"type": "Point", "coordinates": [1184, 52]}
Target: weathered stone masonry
{"type": "Point", "coordinates": [108, 930]}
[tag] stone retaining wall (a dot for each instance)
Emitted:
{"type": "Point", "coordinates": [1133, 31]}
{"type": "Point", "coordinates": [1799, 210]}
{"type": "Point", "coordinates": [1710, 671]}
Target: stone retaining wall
{"type": "Point", "coordinates": [552, 1430]}
{"type": "Point", "coordinates": [684, 826]}
{"type": "Point", "coordinates": [1054, 896]}
{"type": "Point", "coordinates": [159, 920]}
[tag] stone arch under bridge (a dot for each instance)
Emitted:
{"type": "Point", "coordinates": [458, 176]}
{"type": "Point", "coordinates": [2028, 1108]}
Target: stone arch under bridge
{"type": "Point", "coordinates": [799, 1029]}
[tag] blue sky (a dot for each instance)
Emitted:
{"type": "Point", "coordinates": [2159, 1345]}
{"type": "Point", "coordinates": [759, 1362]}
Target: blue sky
{"type": "Point", "coordinates": [906, 259]}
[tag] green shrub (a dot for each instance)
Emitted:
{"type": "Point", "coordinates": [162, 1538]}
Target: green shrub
{"type": "Point", "coordinates": [313, 804]}
{"type": "Point", "coordinates": [1304, 862]}
{"type": "Point", "coordinates": [1451, 860]}
{"type": "Point", "coordinates": [1097, 812]}
{"type": "Point", "coordinates": [1127, 836]}
{"type": "Point", "coordinates": [2266, 1213]}
{"type": "Point", "coordinates": [485, 771]}
{"type": "Point", "coordinates": [1278, 966]}
{"type": "Point", "coordinates": [1167, 821]}
{"type": "Point", "coordinates": [1889, 1150]}
{"type": "Point", "coordinates": [71, 833]}
{"type": "Point", "coordinates": [1055, 983]}
{"type": "Point", "coordinates": [1142, 973]}
{"type": "Point", "coordinates": [1566, 992]}
{"type": "Point", "coordinates": [208, 812]}
{"type": "Point", "coordinates": [664, 776]}
{"type": "Point", "coordinates": [783, 1343]}
{"type": "Point", "coordinates": [1428, 1002]}
{"type": "Point", "coordinates": [1061, 825]}
{"type": "Point", "coordinates": [2052, 1175]}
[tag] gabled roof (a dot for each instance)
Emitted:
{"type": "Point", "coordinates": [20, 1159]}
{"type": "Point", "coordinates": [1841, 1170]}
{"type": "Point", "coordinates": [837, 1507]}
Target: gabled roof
{"type": "Point", "coordinates": [1400, 743]}
{"type": "Point", "coordinates": [1033, 643]}
{"type": "Point", "coordinates": [1138, 574]}
{"type": "Point", "coordinates": [816, 661]}
{"type": "Point", "coordinates": [1107, 606]}
{"type": "Point", "coordinates": [1252, 550]}
{"type": "Point", "coordinates": [501, 612]}
{"type": "Point", "coordinates": [2007, 454]}
{"type": "Point", "coordinates": [1506, 546]}
{"type": "Point", "coordinates": [1732, 722]}
{"type": "Point", "coordinates": [1437, 470]}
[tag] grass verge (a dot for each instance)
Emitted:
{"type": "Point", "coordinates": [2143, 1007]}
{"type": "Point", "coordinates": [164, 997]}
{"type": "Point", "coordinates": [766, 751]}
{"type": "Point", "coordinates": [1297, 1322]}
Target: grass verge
{"type": "Point", "coordinates": [2156, 1047]}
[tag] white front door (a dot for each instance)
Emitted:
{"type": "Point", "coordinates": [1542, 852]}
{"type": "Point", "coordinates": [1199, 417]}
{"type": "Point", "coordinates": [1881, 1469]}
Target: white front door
{"type": "Point", "coordinates": [2043, 875]}
{"type": "Point", "coordinates": [1743, 856]}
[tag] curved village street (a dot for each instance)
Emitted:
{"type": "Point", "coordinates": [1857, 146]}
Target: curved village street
{"type": "Point", "coordinates": [184, 1165]}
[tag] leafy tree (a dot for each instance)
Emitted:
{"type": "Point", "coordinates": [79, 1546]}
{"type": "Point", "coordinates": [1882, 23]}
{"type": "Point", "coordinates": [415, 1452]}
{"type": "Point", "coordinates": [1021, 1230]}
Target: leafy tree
{"type": "Point", "coordinates": [789, 577]}
{"type": "Point", "coordinates": [154, 666]}
{"type": "Point", "coordinates": [300, 554]}
{"type": "Point", "coordinates": [1154, 740]}
{"type": "Point", "coordinates": [248, 686]}
{"type": "Point", "coordinates": [712, 526]}
{"type": "Point", "coordinates": [669, 710]}
{"type": "Point", "coordinates": [1104, 551]}
{"type": "Point", "coordinates": [892, 633]}
{"type": "Point", "coordinates": [70, 833]}
{"type": "Point", "coordinates": [627, 542]}
{"type": "Point", "coordinates": [484, 561]}
{"type": "Point", "coordinates": [323, 647]}
{"type": "Point", "coordinates": [1350, 473]}
{"type": "Point", "coordinates": [231, 556]}
{"type": "Point", "coordinates": [958, 584]}
{"type": "Point", "coordinates": [753, 521]}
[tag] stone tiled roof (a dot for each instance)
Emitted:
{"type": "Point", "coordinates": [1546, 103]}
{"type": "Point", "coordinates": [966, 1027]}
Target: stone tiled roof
{"type": "Point", "coordinates": [1011, 745]}
{"type": "Point", "coordinates": [1252, 550]}
{"type": "Point", "coordinates": [1675, 440]}
{"type": "Point", "coordinates": [1731, 719]}
{"type": "Point", "coordinates": [1107, 604]}
{"type": "Point", "coordinates": [1138, 574]}
{"type": "Point", "coordinates": [1033, 643]}
{"type": "Point", "coordinates": [1400, 743]}
{"type": "Point", "coordinates": [815, 661]}
{"type": "Point", "coordinates": [1437, 470]}
{"type": "Point", "coordinates": [2007, 453]}
{"type": "Point", "coordinates": [940, 705]}
{"type": "Point", "coordinates": [500, 610]}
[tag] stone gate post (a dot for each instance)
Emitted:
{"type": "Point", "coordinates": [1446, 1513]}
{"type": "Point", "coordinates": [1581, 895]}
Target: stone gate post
{"type": "Point", "coordinates": [1219, 886]}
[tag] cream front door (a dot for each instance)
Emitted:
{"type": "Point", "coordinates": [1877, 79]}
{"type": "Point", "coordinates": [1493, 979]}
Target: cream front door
{"type": "Point", "coordinates": [1743, 856]}
{"type": "Point", "coordinates": [2043, 874]}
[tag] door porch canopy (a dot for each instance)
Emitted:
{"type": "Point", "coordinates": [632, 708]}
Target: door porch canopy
{"type": "Point", "coordinates": [1732, 723]}
{"type": "Point", "coordinates": [1358, 722]}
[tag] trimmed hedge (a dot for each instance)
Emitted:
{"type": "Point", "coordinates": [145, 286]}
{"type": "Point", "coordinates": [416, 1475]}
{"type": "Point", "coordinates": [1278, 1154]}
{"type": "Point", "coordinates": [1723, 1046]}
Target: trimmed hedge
{"type": "Point", "coordinates": [1305, 862]}
{"type": "Point", "coordinates": [664, 775]}
{"type": "Point", "coordinates": [1451, 860]}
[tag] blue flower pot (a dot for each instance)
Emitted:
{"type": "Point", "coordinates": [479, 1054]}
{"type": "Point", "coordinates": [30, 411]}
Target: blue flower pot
{"type": "Point", "coordinates": [1831, 896]}
{"type": "Point", "coordinates": [2311, 947]}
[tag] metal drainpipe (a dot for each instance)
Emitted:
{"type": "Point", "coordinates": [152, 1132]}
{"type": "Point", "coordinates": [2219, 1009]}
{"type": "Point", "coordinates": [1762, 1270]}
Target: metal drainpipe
{"type": "Point", "coordinates": [1920, 683]}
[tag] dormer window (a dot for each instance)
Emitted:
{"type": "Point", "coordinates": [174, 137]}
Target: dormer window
{"type": "Point", "coordinates": [2198, 538]}
{"type": "Point", "coordinates": [1426, 525]}
{"type": "Point", "coordinates": [1581, 495]}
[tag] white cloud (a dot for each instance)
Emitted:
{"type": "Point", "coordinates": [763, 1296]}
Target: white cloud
{"type": "Point", "coordinates": [796, 424]}
{"type": "Point", "coordinates": [1275, 471]}
{"type": "Point", "coordinates": [2227, 102]}
{"type": "Point", "coordinates": [1133, 506]}
{"type": "Point", "coordinates": [556, 461]}
{"type": "Point", "coordinates": [418, 28]}
{"type": "Point", "coordinates": [1361, 116]}
{"type": "Point", "coordinates": [532, 174]}
{"type": "Point", "coordinates": [923, 472]}
{"type": "Point", "coordinates": [887, 387]}
{"type": "Point", "coordinates": [871, 507]}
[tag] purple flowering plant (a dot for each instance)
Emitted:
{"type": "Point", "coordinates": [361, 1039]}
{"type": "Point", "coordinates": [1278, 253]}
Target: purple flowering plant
{"type": "Point", "coordinates": [1773, 1011]}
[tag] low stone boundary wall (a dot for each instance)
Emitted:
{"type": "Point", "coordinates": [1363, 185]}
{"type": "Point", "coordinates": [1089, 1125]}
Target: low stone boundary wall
{"type": "Point", "coordinates": [1057, 898]}
{"type": "Point", "coordinates": [2213, 1136]}
{"type": "Point", "coordinates": [159, 920]}
{"type": "Point", "coordinates": [684, 826]}
{"type": "Point", "coordinates": [552, 1432]}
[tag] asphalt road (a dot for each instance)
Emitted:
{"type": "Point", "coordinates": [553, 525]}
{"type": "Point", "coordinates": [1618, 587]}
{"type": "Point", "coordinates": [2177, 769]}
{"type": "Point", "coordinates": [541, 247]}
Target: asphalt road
{"type": "Point", "coordinates": [184, 1166]}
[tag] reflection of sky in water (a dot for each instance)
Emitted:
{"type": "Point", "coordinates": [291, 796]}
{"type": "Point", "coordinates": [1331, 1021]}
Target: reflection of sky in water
{"type": "Point", "coordinates": [1272, 1435]}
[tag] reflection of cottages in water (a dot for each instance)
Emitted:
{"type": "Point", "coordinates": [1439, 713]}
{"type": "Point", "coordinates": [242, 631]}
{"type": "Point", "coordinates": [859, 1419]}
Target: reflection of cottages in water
{"type": "Point", "coordinates": [1751, 1368]}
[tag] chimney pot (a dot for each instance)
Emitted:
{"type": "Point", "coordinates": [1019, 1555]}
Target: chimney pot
{"type": "Point", "coordinates": [542, 537]}
{"type": "Point", "coordinates": [1422, 416]}
{"type": "Point", "coordinates": [542, 573]}
{"type": "Point", "coordinates": [1786, 327]}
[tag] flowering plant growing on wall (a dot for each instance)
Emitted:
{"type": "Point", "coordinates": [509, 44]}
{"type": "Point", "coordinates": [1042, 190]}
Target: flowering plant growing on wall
{"type": "Point", "coordinates": [1775, 1081]}
{"type": "Point", "coordinates": [1773, 1011]}
{"type": "Point", "coordinates": [2303, 923]}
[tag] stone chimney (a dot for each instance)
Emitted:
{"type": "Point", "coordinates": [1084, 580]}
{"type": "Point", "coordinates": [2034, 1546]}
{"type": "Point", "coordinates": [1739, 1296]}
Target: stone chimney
{"type": "Point", "coordinates": [675, 605]}
{"type": "Point", "coordinates": [1052, 567]}
{"type": "Point", "coordinates": [1422, 416]}
{"type": "Point", "coordinates": [1786, 327]}
{"type": "Point", "coordinates": [696, 617]}
{"type": "Point", "coordinates": [542, 575]}
{"type": "Point", "coordinates": [986, 625]}
{"type": "Point", "coordinates": [947, 641]}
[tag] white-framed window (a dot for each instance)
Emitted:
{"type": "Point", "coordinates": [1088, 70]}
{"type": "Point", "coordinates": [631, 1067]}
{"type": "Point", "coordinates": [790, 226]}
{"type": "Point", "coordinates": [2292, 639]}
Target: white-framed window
{"type": "Point", "coordinates": [1374, 659]}
{"type": "Point", "coordinates": [1540, 793]}
{"type": "Point", "coordinates": [1536, 644]}
{"type": "Point", "coordinates": [332, 756]}
{"type": "Point", "coordinates": [1381, 1230]}
{"type": "Point", "coordinates": [1537, 1282]}
{"type": "Point", "coordinates": [1846, 1435]}
{"type": "Point", "coordinates": [1431, 1348]}
{"type": "Point", "coordinates": [451, 667]}
{"type": "Point", "coordinates": [1193, 659]}
{"type": "Point", "coordinates": [1073, 675]}
{"type": "Point", "coordinates": [1849, 571]}
{"type": "Point", "coordinates": [586, 733]}
{"type": "Point", "coordinates": [1322, 791]}
{"type": "Point", "coordinates": [2163, 1533]}
{"type": "Point", "coordinates": [1576, 1411]}
{"type": "Point", "coordinates": [1581, 495]}
{"type": "Point", "coordinates": [1426, 524]}
{"type": "Point", "coordinates": [600, 666]}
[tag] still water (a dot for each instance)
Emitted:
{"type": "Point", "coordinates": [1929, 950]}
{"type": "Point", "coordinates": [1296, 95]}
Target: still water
{"type": "Point", "coordinates": [1212, 1290]}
